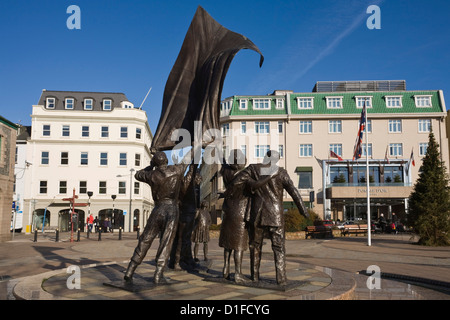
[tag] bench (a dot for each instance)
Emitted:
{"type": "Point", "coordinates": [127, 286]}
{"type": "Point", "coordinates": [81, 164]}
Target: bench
{"type": "Point", "coordinates": [312, 231]}
{"type": "Point", "coordinates": [355, 228]}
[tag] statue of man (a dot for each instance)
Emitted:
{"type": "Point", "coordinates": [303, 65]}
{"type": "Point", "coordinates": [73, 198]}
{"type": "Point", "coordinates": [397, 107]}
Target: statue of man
{"type": "Point", "coordinates": [266, 215]}
{"type": "Point", "coordinates": [165, 182]}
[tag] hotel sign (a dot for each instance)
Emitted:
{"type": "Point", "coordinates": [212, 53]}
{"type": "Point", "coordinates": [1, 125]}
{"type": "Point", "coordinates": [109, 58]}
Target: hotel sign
{"type": "Point", "coordinates": [343, 192]}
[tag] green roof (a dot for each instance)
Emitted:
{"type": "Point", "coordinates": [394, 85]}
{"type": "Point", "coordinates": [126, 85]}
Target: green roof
{"type": "Point", "coordinates": [348, 103]}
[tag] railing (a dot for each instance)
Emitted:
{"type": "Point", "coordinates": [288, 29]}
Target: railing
{"type": "Point", "coordinates": [348, 86]}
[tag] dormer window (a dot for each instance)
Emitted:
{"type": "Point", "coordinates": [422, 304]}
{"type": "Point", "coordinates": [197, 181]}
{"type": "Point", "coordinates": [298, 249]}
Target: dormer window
{"type": "Point", "coordinates": [88, 104]}
{"type": "Point", "coordinates": [334, 102]}
{"type": "Point", "coordinates": [50, 103]}
{"type": "Point", "coordinates": [423, 101]}
{"type": "Point", "coordinates": [393, 101]}
{"type": "Point", "coordinates": [69, 102]}
{"type": "Point", "coordinates": [107, 103]}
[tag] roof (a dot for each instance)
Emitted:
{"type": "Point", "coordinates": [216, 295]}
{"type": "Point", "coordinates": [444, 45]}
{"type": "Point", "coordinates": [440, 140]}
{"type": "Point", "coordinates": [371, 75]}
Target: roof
{"type": "Point", "coordinates": [79, 97]}
{"type": "Point", "coordinates": [8, 123]}
{"type": "Point", "coordinates": [408, 100]}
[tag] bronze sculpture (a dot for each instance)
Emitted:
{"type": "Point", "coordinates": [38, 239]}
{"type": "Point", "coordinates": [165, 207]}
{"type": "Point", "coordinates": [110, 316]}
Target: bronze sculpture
{"type": "Point", "coordinates": [266, 214]}
{"type": "Point", "coordinates": [200, 235]}
{"type": "Point", "coordinates": [165, 182]}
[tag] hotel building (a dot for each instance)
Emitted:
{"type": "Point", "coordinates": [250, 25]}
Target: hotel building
{"type": "Point", "coordinates": [305, 127]}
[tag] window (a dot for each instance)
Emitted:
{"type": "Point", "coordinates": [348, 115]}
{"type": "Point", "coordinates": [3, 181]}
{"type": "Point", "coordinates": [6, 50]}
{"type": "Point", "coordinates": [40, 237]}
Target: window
{"type": "Point", "coordinates": [46, 130]}
{"type": "Point", "coordinates": [63, 187]}
{"type": "Point", "coordinates": [338, 174]}
{"type": "Point", "coordinates": [83, 187]}
{"type": "Point", "coordinates": [84, 159]}
{"type": "Point", "coordinates": [424, 125]}
{"type": "Point", "coordinates": [137, 187]}
{"type": "Point", "coordinates": [395, 149]}
{"type": "Point", "coordinates": [122, 187]}
{"type": "Point", "coordinates": [261, 150]}
{"type": "Point", "coordinates": [50, 103]}
{"type": "Point", "coordinates": [305, 150]}
{"type": "Point", "coordinates": [85, 131]}
{"type": "Point", "coordinates": [225, 129]}
{"type": "Point", "coordinates": [281, 150]}
{"type": "Point", "coordinates": [280, 104]}
{"type": "Point", "coordinates": [137, 160]}
{"type": "Point", "coordinates": [305, 127]}
{"type": "Point", "coordinates": [103, 158]}
{"type": "Point", "coordinates": [393, 174]}
{"type": "Point", "coordinates": [393, 101]}
{"type": "Point", "coordinates": [107, 104]}
{"type": "Point", "coordinates": [69, 102]}
{"type": "Point", "coordinates": [280, 126]}
{"type": "Point", "coordinates": [138, 133]}
{"type": "Point", "coordinates": [423, 101]}
{"type": "Point", "coordinates": [334, 102]}
{"type": "Point", "coordinates": [64, 157]}
{"type": "Point", "coordinates": [243, 127]}
{"type": "Point", "coordinates": [305, 180]}
{"type": "Point", "coordinates": [336, 148]}
{"type": "Point", "coordinates": [262, 127]}
{"type": "Point", "coordinates": [66, 130]}
{"type": "Point", "coordinates": [105, 132]}
{"type": "Point", "coordinates": [88, 104]}
{"type": "Point", "coordinates": [42, 187]}
{"type": "Point", "coordinates": [335, 126]}
{"type": "Point", "coordinates": [369, 125]}
{"type": "Point", "coordinates": [225, 107]}
{"type": "Point", "coordinates": [44, 157]}
{"type": "Point", "coordinates": [244, 149]}
{"type": "Point", "coordinates": [364, 150]}
{"type": "Point", "coordinates": [261, 104]}
{"type": "Point", "coordinates": [360, 102]}
{"type": "Point", "coordinates": [395, 126]}
{"type": "Point", "coordinates": [243, 104]}
{"type": "Point", "coordinates": [423, 148]}
{"type": "Point", "coordinates": [123, 159]}
{"type": "Point", "coordinates": [305, 103]}
{"type": "Point", "coordinates": [124, 132]}
{"type": "Point", "coordinates": [102, 187]}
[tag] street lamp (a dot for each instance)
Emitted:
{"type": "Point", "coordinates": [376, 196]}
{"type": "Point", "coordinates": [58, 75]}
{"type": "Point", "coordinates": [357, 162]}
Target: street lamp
{"type": "Point", "coordinates": [113, 197]}
{"type": "Point", "coordinates": [131, 182]}
{"type": "Point", "coordinates": [89, 193]}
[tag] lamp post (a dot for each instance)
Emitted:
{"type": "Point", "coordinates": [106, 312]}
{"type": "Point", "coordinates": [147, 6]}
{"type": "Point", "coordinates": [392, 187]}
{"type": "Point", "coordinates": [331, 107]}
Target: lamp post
{"type": "Point", "coordinates": [89, 193]}
{"type": "Point", "coordinates": [113, 197]}
{"type": "Point", "coordinates": [129, 211]}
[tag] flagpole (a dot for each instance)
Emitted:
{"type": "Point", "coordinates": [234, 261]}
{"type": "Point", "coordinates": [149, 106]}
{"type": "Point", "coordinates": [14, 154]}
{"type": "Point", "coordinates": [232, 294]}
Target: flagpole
{"type": "Point", "coordinates": [369, 240]}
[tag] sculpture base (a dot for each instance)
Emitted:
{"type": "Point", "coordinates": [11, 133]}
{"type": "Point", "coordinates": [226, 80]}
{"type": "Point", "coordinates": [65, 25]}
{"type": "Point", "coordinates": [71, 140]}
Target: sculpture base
{"type": "Point", "coordinates": [262, 283]}
{"type": "Point", "coordinates": [138, 285]}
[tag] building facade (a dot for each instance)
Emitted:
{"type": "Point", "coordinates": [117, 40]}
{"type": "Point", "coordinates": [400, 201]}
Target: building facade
{"type": "Point", "coordinates": [8, 135]}
{"type": "Point", "coordinates": [306, 127]}
{"type": "Point", "coordinates": [89, 144]}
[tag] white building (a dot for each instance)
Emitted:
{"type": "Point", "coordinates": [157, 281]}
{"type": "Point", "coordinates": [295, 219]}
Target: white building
{"type": "Point", "coordinates": [86, 142]}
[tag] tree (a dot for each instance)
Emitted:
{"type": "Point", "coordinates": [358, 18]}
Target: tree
{"type": "Point", "coordinates": [429, 203]}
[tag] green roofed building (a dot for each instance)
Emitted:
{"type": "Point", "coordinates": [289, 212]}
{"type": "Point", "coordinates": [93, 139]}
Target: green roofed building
{"type": "Point", "coordinates": [305, 127]}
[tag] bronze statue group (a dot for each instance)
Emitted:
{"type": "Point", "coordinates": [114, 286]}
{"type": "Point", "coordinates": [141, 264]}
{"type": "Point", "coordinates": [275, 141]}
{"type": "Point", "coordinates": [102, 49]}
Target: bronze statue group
{"type": "Point", "coordinates": [252, 210]}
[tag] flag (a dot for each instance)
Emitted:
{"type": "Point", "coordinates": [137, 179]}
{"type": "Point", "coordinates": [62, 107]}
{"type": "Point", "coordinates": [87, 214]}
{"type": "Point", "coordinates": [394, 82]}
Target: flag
{"type": "Point", "coordinates": [357, 151]}
{"type": "Point", "coordinates": [335, 155]}
{"type": "Point", "coordinates": [194, 87]}
{"type": "Point", "coordinates": [411, 158]}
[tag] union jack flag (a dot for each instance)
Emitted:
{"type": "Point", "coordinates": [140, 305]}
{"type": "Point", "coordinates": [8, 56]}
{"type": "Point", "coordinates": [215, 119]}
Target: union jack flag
{"type": "Point", "coordinates": [357, 151]}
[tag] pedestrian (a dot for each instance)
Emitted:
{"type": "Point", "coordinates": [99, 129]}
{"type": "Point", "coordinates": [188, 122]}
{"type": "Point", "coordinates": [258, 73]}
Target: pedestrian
{"type": "Point", "coordinates": [90, 222]}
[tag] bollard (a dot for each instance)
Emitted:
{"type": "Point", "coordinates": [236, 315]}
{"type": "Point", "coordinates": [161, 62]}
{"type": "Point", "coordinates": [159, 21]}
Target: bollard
{"type": "Point", "coordinates": [78, 235]}
{"type": "Point", "coordinates": [120, 233]}
{"type": "Point", "coordinates": [88, 232]}
{"type": "Point", "coordinates": [137, 232]}
{"type": "Point", "coordinates": [35, 235]}
{"type": "Point", "coordinates": [99, 234]}
{"type": "Point", "coordinates": [57, 236]}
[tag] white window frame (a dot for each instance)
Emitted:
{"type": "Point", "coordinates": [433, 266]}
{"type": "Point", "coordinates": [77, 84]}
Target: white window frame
{"type": "Point", "coordinates": [84, 132]}
{"type": "Point", "coordinates": [225, 130]}
{"type": "Point", "coordinates": [61, 158]}
{"type": "Point", "coordinates": [120, 159]}
{"type": "Point", "coordinates": [419, 98]}
{"type": "Point", "coordinates": [334, 126]}
{"type": "Point", "coordinates": [395, 126]}
{"type": "Point", "coordinates": [305, 150]}
{"type": "Point", "coordinates": [102, 132]}
{"type": "Point", "coordinates": [122, 187]}
{"type": "Point", "coordinates": [423, 146]}
{"type": "Point", "coordinates": [390, 99]}
{"type": "Point", "coordinates": [359, 100]}
{"type": "Point", "coordinates": [243, 104]}
{"type": "Point", "coordinates": [305, 103]}
{"type": "Point", "coordinates": [261, 150]}
{"type": "Point", "coordinates": [84, 156]}
{"type": "Point", "coordinates": [46, 158]}
{"type": "Point", "coordinates": [66, 103]}
{"type": "Point", "coordinates": [336, 148]}
{"type": "Point", "coordinates": [363, 153]}
{"type": "Point", "coordinates": [243, 127]}
{"type": "Point", "coordinates": [396, 149]}
{"type": "Point", "coordinates": [264, 125]}
{"type": "Point", "coordinates": [48, 103]}
{"type": "Point", "coordinates": [86, 103]}
{"type": "Point", "coordinates": [65, 128]}
{"type": "Point", "coordinates": [104, 104]}
{"type": "Point", "coordinates": [44, 130]}
{"type": "Point", "coordinates": [102, 158]}
{"type": "Point", "coordinates": [261, 104]}
{"type": "Point", "coordinates": [334, 102]}
{"type": "Point", "coordinates": [424, 125]}
{"type": "Point", "coordinates": [305, 127]}
{"type": "Point", "coordinates": [279, 104]}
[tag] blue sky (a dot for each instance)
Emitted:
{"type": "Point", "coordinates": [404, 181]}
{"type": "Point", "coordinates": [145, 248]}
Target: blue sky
{"type": "Point", "coordinates": [130, 46]}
